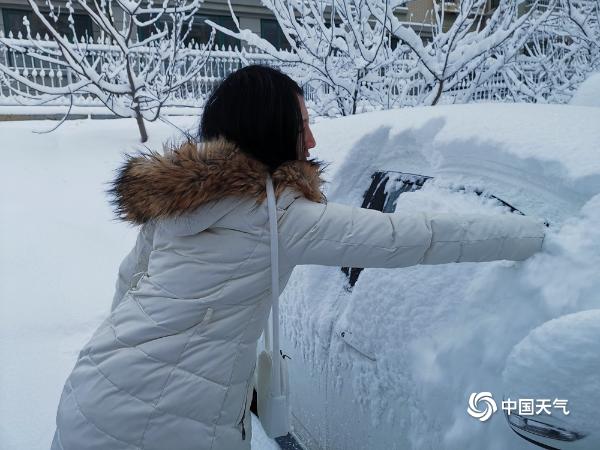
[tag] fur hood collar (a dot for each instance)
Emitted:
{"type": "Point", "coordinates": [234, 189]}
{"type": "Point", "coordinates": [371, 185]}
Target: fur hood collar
{"type": "Point", "coordinates": [150, 185]}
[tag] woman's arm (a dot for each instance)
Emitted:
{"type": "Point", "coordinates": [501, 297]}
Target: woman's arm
{"type": "Point", "coordinates": [339, 235]}
{"type": "Point", "coordinates": [135, 263]}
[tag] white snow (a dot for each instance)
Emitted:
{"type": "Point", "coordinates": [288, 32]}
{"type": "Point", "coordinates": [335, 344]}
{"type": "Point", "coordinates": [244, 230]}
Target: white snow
{"type": "Point", "coordinates": [567, 348]}
{"type": "Point", "coordinates": [555, 148]}
{"type": "Point", "coordinates": [437, 333]}
{"type": "Point", "coordinates": [260, 440]}
{"type": "Point", "coordinates": [548, 133]}
{"type": "Point", "coordinates": [588, 93]}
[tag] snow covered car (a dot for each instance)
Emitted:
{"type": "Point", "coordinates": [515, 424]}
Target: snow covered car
{"type": "Point", "coordinates": [389, 358]}
{"type": "Point", "coordinates": [563, 347]}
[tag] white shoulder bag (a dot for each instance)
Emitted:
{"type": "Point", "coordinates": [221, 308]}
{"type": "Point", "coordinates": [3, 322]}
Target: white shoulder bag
{"type": "Point", "coordinates": [272, 388]}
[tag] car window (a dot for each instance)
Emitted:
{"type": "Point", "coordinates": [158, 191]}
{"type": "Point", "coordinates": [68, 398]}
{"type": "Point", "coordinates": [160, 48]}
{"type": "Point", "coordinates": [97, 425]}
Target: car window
{"type": "Point", "coordinates": [383, 192]}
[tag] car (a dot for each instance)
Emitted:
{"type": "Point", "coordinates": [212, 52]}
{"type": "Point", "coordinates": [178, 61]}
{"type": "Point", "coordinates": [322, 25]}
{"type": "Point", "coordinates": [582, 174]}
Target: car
{"type": "Point", "coordinates": [388, 358]}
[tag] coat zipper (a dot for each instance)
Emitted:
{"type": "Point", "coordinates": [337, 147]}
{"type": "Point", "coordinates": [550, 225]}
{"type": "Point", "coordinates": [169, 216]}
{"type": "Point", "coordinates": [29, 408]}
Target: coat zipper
{"type": "Point", "coordinates": [243, 428]}
{"type": "Point", "coordinates": [242, 419]}
{"type": "Point", "coordinates": [245, 404]}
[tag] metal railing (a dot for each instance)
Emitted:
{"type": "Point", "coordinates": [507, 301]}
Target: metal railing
{"type": "Point", "coordinates": [219, 63]}
{"type": "Point", "coordinates": [17, 55]}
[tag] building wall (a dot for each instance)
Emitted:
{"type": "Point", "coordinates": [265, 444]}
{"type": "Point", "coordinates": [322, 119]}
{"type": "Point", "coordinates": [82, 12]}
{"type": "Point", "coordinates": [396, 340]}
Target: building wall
{"type": "Point", "coordinates": [252, 8]}
{"type": "Point", "coordinates": [419, 9]}
{"type": "Point", "coordinates": [23, 5]}
{"type": "Point", "coordinates": [250, 12]}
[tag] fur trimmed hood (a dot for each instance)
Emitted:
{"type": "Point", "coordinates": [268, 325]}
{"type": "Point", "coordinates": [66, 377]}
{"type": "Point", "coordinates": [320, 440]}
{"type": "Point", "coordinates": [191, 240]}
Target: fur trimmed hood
{"type": "Point", "coordinates": [151, 186]}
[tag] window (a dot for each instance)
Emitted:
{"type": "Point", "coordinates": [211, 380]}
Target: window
{"type": "Point", "coordinates": [382, 194]}
{"type": "Point", "coordinates": [13, 22]}
{"type": "Point", "coordinates": [200, 32]}
{"type": "Point", "coordinates": [270, 30]}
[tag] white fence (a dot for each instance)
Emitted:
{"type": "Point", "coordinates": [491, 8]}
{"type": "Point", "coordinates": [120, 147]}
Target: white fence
{"type": "Point", "coordinates": [220, 62]}
{"type": "Point", "coordinates": [17, 55]}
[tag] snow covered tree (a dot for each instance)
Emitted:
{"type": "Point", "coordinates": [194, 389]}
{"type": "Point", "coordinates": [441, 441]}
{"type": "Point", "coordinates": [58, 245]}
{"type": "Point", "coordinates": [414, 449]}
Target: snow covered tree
{"type": "Point", "coordinates": [140, 57]}
{"type": "Point", "coordinates": [559, 55]}
{"type": "Point", "coordinates": [467, 50]}
{"type": "Point", "coordinates": [335, 47]}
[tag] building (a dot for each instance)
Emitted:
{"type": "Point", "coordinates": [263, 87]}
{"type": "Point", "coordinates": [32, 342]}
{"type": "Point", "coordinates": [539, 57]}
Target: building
{"type": "Point", "coordinates": [251, 13]}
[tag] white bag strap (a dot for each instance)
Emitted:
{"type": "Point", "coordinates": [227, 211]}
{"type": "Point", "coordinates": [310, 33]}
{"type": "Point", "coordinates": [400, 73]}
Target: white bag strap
{"type": "Point", "coordinates": [272, 207]}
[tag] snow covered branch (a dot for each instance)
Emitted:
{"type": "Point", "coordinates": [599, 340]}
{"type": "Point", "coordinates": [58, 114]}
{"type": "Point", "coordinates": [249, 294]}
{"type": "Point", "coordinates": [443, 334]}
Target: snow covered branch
{"type": "Point", "coordinates": [139, 58]}
{"type": "Point", "coordinates": [559, 55]}
{"type": "Point", "coordinates": [337, 49]}
{"type": "Point", "coordinates": [471, 48]}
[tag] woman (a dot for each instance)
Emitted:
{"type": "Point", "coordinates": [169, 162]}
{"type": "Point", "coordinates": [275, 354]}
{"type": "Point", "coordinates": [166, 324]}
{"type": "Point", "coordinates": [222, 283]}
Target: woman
{"type": "Point", "coordinates": [171, 367]}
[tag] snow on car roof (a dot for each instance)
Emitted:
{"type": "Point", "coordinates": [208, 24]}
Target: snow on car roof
{"type": "Point", "coordinates": [554, 148]}
{"type": "Point", "coordinates": [563, 134]}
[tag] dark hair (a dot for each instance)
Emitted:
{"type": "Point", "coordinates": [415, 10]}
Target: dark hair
{"type": "Point", "coordinates": [256, 108]}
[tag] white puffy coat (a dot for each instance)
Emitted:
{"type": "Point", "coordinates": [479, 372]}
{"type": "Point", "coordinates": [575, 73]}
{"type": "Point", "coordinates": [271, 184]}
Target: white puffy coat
{"type": "Point", "coordinates": [171, 367]}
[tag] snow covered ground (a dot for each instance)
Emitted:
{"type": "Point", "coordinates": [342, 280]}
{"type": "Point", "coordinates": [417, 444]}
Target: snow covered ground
{"type": "Point", "coordinates": [60, 250]}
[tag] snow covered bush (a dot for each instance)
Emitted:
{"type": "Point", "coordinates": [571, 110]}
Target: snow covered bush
{"type": "Point", "coordinates": [469, 52]}
{"type": "Point", "coordinates": [140, 57]}
{"type": "Point", "coordinates": [338, 51]}
{"type": "Point", "coordinates": [358, 55]}
{"type": "Point", "coordinates": [561, 53]}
